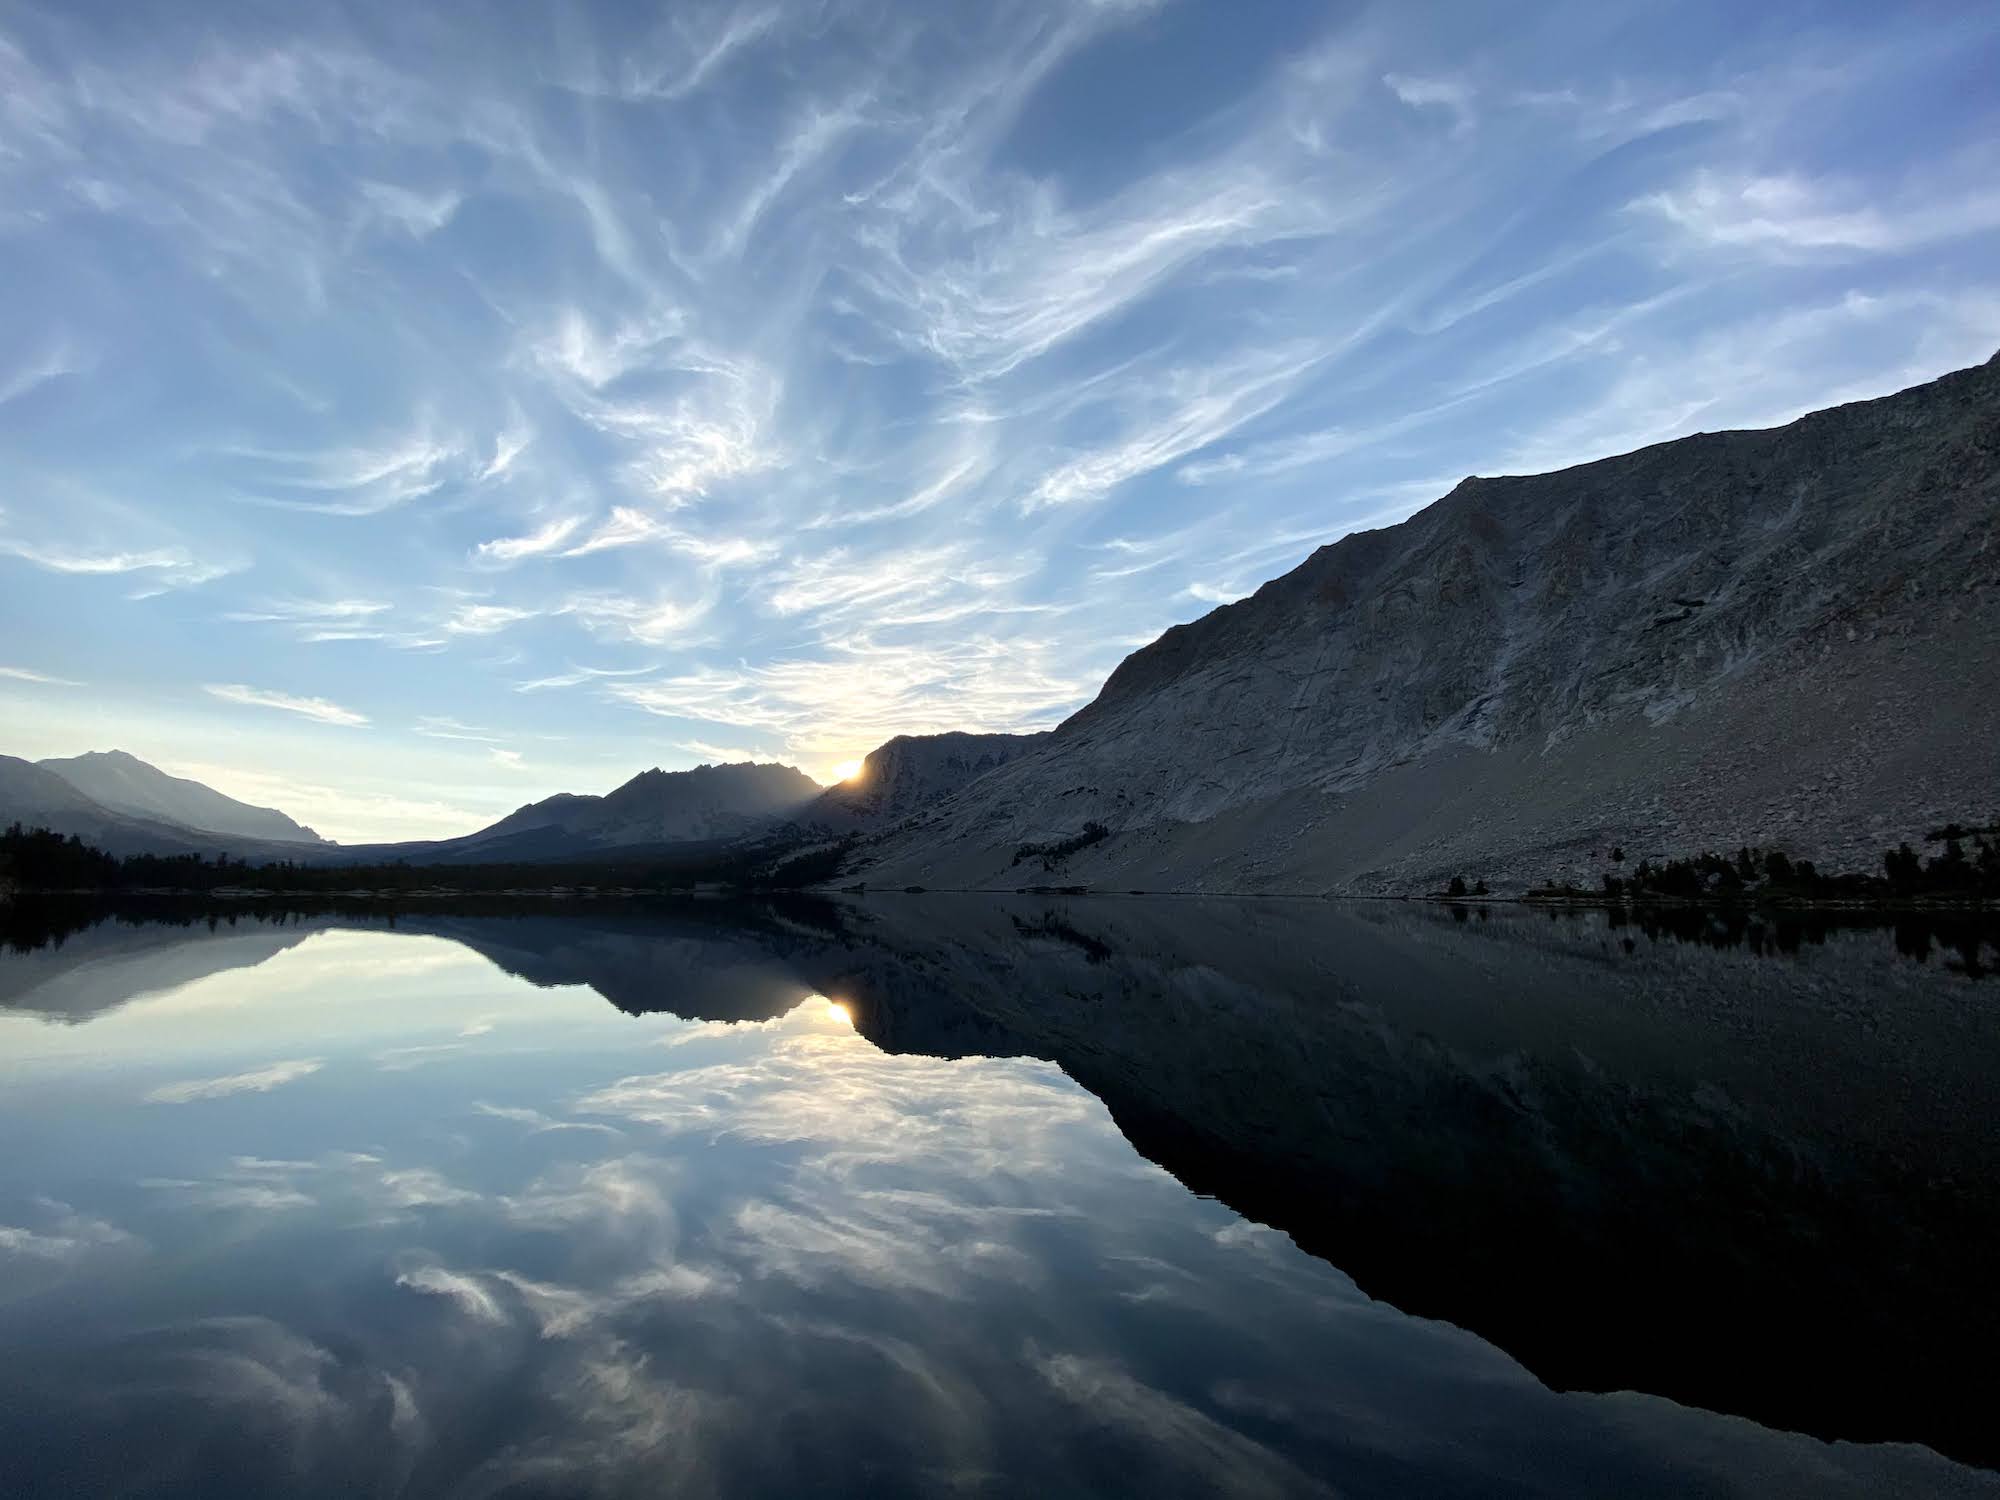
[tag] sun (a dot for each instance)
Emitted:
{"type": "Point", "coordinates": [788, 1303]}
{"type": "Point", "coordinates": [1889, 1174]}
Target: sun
{"type": "Point", "coordinates": [847, 770]}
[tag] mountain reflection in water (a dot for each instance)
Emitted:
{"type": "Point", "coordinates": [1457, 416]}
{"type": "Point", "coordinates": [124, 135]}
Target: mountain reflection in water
{"type": "Point", "coordinates": [337, 1204]}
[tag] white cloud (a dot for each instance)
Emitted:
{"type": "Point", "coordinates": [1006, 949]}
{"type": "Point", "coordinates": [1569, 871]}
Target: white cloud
{"type": "Point", "coordinates": [329, 621]}
{"type": "Point", "coordinates": [485, 619]}
{"type": "Point", "coordinates": [653, 623]}
{"type": "Point", "coordinates": [438, 727]}
{"type": "Point", "coordinates": [313, 610]}
{"type": "Point", "coordinates": [68, 1237]}
{"type": "Point", "coordinates": [1449, 94]}
{"type": "Point", "coordinates": [23, 674]}
{"type": "Point", "coordinates": [256, 1081]}
{"type": "Point", "coordinates": [174, 567]}
{"type": "Point", "coordinates": [468, 1292]}
{"type": "Point", "coordinates": [1201, 408]}
{"type": "Point", "coordinates": [575, 350]}
{"type": "Point", "coordinates": [841, 581]}
{"type": "Point", "coordinates": [316, 621]}
{"type": "Point", "coordinates": [680, 65]}
{"type": "Point", "coordinates": [577, 676]}
{"type": "Point", "coordinates": [311, 708]}
{"type": "Point", "coordinates": [507, 448]}
{"type": "Point", "coordinates": [625, 527]}
{"type": "Point", "coordinates": [819, 133]}
{"type": "Point", "coordinates": [541, 1124]}
{"type": "Point", "coordinates": [546, 539]}
{"type": "Point", "coordinates": [361, 480]}
{"type": "Point", "coordinates": [423, 1187]}
{"type": "Point", "coordinates": [1788, 214]}
{"type": "Point", "coordinates": [52, 364]}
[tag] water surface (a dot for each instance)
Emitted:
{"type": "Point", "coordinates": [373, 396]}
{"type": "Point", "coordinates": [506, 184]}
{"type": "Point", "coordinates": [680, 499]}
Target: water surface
{"type": "Point", "coordinates": [992, 1196]}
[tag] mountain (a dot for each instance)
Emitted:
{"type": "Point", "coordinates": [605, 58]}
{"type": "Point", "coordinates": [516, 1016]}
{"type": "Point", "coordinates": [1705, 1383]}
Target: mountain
{"type": "Point", "coordinates": [125, 784]}
{"type": "Point", "coordinates": [37, 798]}
{"type": "Point", "coordinates": [663, 807]}
{"type": "Point", "coordinates": [1787, 637]}
{"type": "Point", "coordinates": [709, 804]}
{"type": "Point", "coordinates": [910, 772]}
{"type": "Point", "coordinates": [653, 812]}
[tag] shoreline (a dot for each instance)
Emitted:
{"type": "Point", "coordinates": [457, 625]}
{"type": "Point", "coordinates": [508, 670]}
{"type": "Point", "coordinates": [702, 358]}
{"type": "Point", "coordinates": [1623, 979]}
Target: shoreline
{"type": "Point", "coordinates": [224, 895]}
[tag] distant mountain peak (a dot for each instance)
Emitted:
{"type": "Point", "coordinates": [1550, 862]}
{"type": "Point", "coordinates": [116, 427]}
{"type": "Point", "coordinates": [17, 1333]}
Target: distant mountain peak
{"type": "Point", "coordinates": [656, 806]}
{"type": "Point", "coordinates": [123, 783]}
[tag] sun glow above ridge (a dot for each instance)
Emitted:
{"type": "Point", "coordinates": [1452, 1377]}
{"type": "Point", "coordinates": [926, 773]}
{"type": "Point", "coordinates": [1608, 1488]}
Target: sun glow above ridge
{"type": "Point", "coordinates": [847, 770]}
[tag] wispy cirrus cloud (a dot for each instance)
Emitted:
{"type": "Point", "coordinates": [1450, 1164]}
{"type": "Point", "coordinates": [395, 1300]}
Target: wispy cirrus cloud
{"type": "Point", "coordinates": [537, 543]}
{"type": "Point", "coordinates": [650, 622]}
{"type": "Point", "coordinates": [40, 679]}
{"type": "Point", "coordinates": [577, 676]}
{"type": "Point", "coordinates": [485, 619]}
{"type": "Point", "coordinates": [173, 567]}
{"type": "Point", "coordinates": [740, 346]}
{"type": "Point", "coordinates": [1452, 95]}
{"type": "Point", "coordinates": [352, 481]}
{"type": "Point", "coordinates": [51, 364]}
{"type": "Point", "coordinates": [255, 1081]}
{"type": "Point", "coordinates": [466, 1291]}
{"type": "Point", "coordinates": [1791, 215]}
{"type": "Point", "coordinates": [311, 708]}
{"type": "Point", "coordinates": [323, 621]}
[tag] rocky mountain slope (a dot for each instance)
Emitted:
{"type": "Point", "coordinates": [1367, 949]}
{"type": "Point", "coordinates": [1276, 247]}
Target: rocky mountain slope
{"type": "Point", "coordinates": [909, 773]}
{"type": "Point", "coordinates": [1787, 637]}
{"type": "Point", "coordinates": [128, 785]}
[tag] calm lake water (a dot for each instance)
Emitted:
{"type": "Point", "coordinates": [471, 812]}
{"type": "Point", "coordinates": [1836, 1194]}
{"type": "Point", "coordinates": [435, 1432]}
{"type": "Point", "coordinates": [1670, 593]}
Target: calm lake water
{"type": "Point", "coordinates": [1030, 1196]}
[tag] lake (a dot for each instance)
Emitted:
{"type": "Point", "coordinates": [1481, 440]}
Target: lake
{"type": "Point", "coordinates": [926, 1194]}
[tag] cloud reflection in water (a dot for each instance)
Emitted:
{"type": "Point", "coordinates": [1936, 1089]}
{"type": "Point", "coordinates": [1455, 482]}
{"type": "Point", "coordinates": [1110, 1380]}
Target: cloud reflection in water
{"type": "Point", "coordinates": [766, 1257]}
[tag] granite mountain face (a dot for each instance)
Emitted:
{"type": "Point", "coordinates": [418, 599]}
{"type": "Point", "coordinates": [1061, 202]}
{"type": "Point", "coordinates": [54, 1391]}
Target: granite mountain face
{"type": "Point", "coordinates": [1787, 637]}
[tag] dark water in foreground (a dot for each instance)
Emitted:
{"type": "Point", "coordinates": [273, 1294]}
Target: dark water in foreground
{"type": "Point", "coordinates": [940, 1195]}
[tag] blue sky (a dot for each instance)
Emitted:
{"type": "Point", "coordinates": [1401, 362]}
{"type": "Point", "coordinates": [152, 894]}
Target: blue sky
{"type": "Point", "coordinates": [407, 412]}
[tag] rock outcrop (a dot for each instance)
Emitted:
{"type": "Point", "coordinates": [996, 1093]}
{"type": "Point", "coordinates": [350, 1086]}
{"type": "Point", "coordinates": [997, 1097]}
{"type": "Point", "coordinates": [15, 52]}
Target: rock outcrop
{"type": "Point", "coordinates": [909, 773]}
{"type": "Point", "coordinates": [1787, 637]}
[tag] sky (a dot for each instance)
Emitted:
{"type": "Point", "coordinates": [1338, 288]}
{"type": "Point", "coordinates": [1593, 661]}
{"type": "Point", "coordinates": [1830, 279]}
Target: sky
{"type": "Point", "coordinates": [408, 412]}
